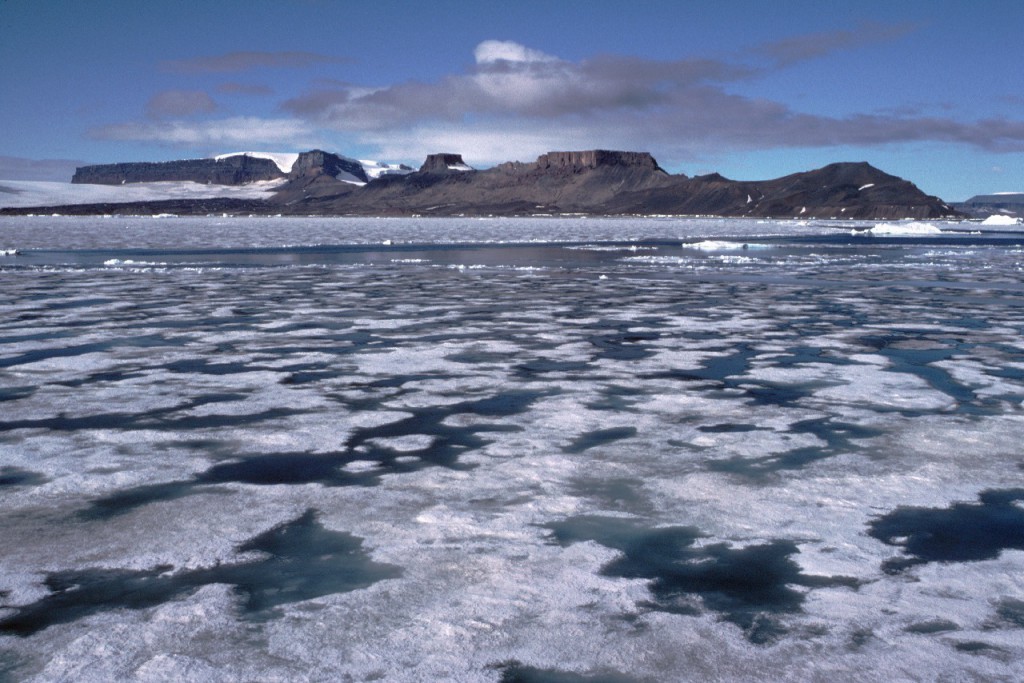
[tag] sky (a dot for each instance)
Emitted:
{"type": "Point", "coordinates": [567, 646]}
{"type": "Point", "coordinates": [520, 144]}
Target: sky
{"type": "Point", "coordinates": [932, 91]}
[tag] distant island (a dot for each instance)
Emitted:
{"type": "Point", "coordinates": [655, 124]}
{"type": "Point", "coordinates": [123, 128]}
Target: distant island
{"type": "Point", "coordinates": [593, 182]}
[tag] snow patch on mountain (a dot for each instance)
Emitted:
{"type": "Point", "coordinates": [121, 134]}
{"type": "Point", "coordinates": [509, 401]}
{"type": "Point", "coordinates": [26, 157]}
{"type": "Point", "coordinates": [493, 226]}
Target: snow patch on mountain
{"type": "Point", "coordinates": [376, 169]}
{"type": "Point", "coordinates": [284, 160]}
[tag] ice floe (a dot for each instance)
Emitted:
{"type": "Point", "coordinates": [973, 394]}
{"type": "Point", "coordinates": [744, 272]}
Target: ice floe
{"type": "Point", "coordinates": [901, 229]}
{"type": "Point", "coordinates": [323, 460]}
{"type": "Point", "coordinates": [720, 245]}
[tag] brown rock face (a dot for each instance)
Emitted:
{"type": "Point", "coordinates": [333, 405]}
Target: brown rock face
{"type": "Point", "coordinates": [317, 162]}
{"type": "Point", "coordinates": [596, 157]}
{"type": "Point", "coordinates": [441, 162]}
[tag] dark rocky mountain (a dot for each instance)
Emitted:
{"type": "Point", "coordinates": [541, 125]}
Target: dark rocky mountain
{"type": "Point", "coordinates": [842, 190]}
{"type": "Point", "coordinates": [318, 173]}
{"type": "Point", "coordinates": [444, 162]}
{"type": "Point", "coordinates": [561, 182]}
{"type": "Point", "coordinates": [616, 183]}
{"type": "Point", "coordinates": [234, 170]}
{"type": "Point", "coordinates": [311, 165]}
{"type": "Point", "coordinates": [598, 182]}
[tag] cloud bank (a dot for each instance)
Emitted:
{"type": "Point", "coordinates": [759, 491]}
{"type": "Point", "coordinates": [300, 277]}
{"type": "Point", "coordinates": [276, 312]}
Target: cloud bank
{"type": "Point", "coordinates": [515, 102]}
{"type": "Point", "coordinates": [217, 135]}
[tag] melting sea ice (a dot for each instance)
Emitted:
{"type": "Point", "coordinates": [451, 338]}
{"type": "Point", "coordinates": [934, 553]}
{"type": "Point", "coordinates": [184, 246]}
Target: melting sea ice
{"type": "Point", "coordinates": [510, 450]}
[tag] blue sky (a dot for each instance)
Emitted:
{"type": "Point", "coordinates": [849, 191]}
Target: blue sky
{"type": "Point", "coordinates": [931, 91]}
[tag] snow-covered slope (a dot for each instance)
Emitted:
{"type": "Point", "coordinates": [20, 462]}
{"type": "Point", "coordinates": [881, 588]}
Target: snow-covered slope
{"type": "Point", "coordinates": [375, 169]}
{"type": "Point", "coordinates": [28, 193]}
{"type": "Point", "coordinates": [284, 160]}
{"type": "Point", "coordinates": [22, 193]}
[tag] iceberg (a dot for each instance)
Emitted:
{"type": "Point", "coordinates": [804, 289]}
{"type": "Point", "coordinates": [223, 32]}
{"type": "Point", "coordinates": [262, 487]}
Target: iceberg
{"type": "Point", "coordinates": [998, 219]}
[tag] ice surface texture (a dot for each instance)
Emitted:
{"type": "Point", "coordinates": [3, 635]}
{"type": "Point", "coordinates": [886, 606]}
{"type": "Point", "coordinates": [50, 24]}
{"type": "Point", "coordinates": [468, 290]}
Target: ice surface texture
{"type": "Point", "coordinates": [284, 450]}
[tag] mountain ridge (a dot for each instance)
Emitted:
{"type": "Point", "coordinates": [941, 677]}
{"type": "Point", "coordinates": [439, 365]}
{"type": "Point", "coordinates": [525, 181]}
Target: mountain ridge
{"type": "Point", "coordinates": [593, 182]}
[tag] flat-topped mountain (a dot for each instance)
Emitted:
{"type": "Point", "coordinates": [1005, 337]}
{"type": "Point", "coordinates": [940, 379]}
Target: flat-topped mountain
{"type": "Point", "coordinates": [997, 204]}
{"type": "Point", "coordinates": [239, 169]}
{"type": "Point", "coordinates": [596, 182]}
{"type": "Point", "coordinates": [595, 158]}
{"type": "Point", "coordinates": [443, 163]}
{"type": "Point", "coordinates": [233, 170]}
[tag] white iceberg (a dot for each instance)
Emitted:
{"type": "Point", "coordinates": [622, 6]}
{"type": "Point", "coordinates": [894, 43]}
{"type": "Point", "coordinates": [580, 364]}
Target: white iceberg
{"type": "Point", "coordinates": [998, 219]}
{"type": "Point", "coordinates": [901, 229]}
{"type": "Point", "coordinates": [721, 245]}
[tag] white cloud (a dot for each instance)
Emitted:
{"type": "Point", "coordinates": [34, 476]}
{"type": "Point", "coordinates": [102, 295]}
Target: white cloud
{"type": "Point", "coordinates": [481, 145]}
{"type": "Point", "coordinates": [221, 133]}
{"type": "Point", "coordinates": [679, 108]}
{"type": "Point", "coordinates": [491, 51]}
{"type": "Point", "coordinates": [516, 102]}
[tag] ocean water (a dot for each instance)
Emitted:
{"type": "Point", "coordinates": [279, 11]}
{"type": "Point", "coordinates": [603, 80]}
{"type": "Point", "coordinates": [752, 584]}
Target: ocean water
{"type": "Point", "coordinates": [509, 450]}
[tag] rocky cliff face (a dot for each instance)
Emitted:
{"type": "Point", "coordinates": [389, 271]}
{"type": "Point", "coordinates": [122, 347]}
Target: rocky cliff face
{"type": "Point", "coordinates": [596, 157]}
{"type": "Point", "coordinates": [316, 163]}
{"type": "Point", "coordinates": [235, 170]}
{"type": "Point", "coordinates": [443, 162]}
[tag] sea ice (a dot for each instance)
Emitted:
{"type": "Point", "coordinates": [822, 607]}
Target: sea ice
{"type": "Point", "coordinates": [206, 430]}
{"type": "Point", "coordinates": [720, 245]}
{"type": "Point", "coordinates": [900, 229]}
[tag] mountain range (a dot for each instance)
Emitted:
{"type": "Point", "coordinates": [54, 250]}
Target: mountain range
{"type": "Point", "coordinates": [593, 182]}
